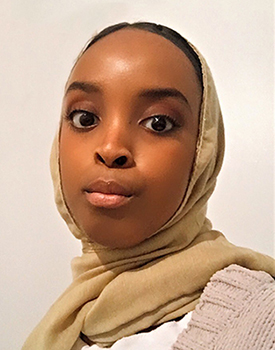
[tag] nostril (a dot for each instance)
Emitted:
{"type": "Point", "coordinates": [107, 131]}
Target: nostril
{"type": "Point", "coordinates": [111, 162]}
{"type": "Point", "coordinates": [100, 158]}
{"type": "Point", "coordinates": [120, 161]}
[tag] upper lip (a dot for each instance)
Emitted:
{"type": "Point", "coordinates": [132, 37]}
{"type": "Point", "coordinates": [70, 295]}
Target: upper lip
{"type": "Point", "coordinates": [109, 187]}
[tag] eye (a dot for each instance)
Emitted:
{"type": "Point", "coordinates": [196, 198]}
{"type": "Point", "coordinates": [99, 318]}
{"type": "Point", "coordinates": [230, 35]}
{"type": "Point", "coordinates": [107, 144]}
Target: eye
{"type": "Point", "coordinates": [159, 123]}
{"type": "Point", "coordinates": [83, 119]}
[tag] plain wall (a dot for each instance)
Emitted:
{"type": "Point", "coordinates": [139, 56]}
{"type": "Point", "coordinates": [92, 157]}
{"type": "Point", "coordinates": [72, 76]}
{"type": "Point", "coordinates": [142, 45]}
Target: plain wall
{"type": "Point", "coordinates": [39, 42]}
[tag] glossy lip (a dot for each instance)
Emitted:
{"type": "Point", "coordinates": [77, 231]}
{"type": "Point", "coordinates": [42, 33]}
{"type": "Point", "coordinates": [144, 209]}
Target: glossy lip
{"type": "Point", "coordinates": [108, 194]}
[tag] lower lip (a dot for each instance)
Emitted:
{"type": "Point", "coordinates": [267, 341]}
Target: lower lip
{"type": "Point", "coordinates": [105, 200]}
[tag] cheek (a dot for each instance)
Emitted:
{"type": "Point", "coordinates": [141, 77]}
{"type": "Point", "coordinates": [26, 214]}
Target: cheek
{"type": "Point", "coordinates": [72, 160]}
{"type": "Point", "coordinates": [168, 173]}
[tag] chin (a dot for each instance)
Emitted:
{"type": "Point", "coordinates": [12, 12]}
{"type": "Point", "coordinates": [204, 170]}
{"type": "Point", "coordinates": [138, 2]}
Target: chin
{"type": "Point", "coordinates": [116, 239]}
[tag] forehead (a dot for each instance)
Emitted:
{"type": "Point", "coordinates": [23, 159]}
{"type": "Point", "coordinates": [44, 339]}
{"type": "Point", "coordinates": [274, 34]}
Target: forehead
{"type": "Point", "coordinates": [135, 54]}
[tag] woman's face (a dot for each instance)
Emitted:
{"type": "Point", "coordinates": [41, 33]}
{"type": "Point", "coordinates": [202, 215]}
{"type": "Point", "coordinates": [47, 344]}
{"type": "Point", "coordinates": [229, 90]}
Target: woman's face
{"type": "Point", "coordinates": [128, 136]}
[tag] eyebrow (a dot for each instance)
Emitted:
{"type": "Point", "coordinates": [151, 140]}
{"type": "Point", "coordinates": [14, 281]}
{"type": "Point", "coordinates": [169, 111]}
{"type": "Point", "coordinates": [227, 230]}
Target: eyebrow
{"type": "Point", "coordinates": [160, 93]}
{"type": "Point", "coordinates": [83, 86]}
{"type": "Point", "coordinates": [151, 93]}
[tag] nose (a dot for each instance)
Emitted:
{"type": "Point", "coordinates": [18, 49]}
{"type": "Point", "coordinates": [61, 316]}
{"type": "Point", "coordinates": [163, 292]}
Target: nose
{"type": "Point", "coordinates": [114, 151]}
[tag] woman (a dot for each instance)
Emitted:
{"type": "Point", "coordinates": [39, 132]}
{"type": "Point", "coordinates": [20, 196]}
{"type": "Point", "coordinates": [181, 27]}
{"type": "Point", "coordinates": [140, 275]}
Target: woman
{"type": "Point", "coordinates": [137, 155]}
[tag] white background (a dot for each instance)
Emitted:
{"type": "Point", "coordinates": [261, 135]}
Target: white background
{"type": "Point", "coordinates": [39, 41]}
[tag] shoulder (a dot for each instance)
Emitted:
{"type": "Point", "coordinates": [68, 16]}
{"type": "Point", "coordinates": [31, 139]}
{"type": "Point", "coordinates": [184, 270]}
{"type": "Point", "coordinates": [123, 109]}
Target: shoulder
{"type": "Point", "coordinates": [236, 311]}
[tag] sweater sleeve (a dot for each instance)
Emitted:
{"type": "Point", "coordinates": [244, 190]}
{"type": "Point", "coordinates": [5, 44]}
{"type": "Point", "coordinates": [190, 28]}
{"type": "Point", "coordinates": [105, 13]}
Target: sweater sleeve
{"type": "Point", "coordinates": [236, 311]}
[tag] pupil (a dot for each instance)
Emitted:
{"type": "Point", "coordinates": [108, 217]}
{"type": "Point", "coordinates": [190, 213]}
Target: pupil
{"type": "Point", "coordinates": [86, 119]}
{"type": "Point", "coordinates": [159, 124]}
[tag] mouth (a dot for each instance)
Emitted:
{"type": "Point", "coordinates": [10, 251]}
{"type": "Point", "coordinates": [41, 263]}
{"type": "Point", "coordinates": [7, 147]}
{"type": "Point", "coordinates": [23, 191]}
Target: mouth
{"type": "Point", "coordinates": [108, 194]}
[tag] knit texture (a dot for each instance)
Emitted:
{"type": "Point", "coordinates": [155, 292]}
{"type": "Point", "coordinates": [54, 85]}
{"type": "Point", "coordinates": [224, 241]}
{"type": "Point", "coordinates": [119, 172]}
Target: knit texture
{"type": "Point", "coordinates": [236, 312]}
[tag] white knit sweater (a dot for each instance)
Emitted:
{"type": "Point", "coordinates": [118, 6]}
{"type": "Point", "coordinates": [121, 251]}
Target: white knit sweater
{"type": "Point", "coordinates": [236, 312]}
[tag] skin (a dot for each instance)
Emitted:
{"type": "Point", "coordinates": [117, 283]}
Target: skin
{"type": "Point", "coordinates": [155, 166]}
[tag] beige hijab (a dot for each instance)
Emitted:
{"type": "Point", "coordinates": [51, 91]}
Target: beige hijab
{"type": "Point", "coordinates": [116, 293]}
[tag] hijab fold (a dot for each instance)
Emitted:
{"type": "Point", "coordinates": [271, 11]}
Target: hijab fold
{"type": "Point", "coordinates": [119, 292]}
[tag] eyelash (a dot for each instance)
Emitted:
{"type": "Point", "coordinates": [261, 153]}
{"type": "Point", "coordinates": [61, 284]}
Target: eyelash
{"type": "Point", "coordinates": [70, 117]}
{"type": "Point", "coordinates": [174, 124]}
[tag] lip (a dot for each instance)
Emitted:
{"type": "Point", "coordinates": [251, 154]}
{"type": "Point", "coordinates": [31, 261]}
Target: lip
{"type": "Point", "coordinates": [108, 194]}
